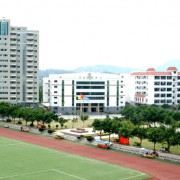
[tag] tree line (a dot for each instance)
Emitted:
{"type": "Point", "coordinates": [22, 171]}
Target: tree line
{"type": "Point", "coordinates": [157, 124]}
{"type": "Point", "coordinates": [12, 112]}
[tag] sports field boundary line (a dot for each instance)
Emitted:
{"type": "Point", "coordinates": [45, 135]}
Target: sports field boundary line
{"type": "Point", "coordinates": [35, 172]}
{"type": "Point", "coordinates": [68, 174]}
{"type": "Point", "coordinates": [132, 177]}
{"type": "Point", "coordinates": [109, 164]}
{"type": "Point", "coordinates": [12, 144]}
{"type": "Point", "coordinates": [5, 177]}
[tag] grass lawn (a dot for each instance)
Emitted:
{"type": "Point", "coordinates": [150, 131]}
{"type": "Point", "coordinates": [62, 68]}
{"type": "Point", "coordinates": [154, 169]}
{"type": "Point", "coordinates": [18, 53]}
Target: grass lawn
{"type": "Point", "coordinates": [150, 145]}
{"type": "Point", "coordinates": [23, 161]}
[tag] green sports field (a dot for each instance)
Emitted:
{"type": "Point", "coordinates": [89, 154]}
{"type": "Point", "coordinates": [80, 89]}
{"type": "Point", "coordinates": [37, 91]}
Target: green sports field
{"type": "Point", "coordinates": [23, 161]}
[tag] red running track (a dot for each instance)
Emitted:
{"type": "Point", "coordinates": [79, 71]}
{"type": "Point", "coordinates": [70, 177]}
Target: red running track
{"type": "Point", "coordinates": [159, 170]}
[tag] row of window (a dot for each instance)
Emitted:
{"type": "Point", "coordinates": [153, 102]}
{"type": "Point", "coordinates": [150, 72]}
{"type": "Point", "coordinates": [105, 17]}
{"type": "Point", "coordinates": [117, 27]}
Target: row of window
{"type": "Point", "coordinates": [86, 104]}
{"type": "Point", "coordinates": [90, 82]}
{"type": "Point", "coordinates": [166, 101]}
{"type": "Point", "coordinates": [166, 83]}
{"type": "Point", "coordinates": [157, 77]}
{"type": "Point", "coordinates": [13, 99]}
{"type": "Point", "coordinates": [166, 89]}
{"type": "Point", "coordinates": [86, 82]}
{"type": "Point", "coordinates": [166, 77]}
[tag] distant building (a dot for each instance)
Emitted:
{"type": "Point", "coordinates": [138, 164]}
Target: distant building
{"type": "Point", "coordinates": [78, 93]}
{"type": "Point", "coordinates": [153, 87]}
{"type": "Point", "coordinates": [19, 64]}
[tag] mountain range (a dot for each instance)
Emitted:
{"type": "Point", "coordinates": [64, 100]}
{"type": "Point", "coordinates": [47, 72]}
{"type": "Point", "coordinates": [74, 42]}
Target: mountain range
{"type": "Point", "coordinates": [107, 69]}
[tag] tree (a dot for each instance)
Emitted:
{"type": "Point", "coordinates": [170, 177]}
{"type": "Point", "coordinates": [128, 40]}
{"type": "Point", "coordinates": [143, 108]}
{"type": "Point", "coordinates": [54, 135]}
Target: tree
{"type": "Point", "coordinates": [61, 121]}
{"type": "Point", "coordinates": [74, 120]}
{"type": "Point", "coordinates": [169, 119]}
{"type": "Point", "coordinates": [28, 115]}
{"type": "Point", "coordinates": [40, 93]}
{"type": "Point", "coordinates": [154, 114]}
{"type": "Point", "coordinates": [39, 114]}
{"type": "Point", "coordinates": [97, 125]}
{"type": "Point", "coordinates": [128, 111]}
{"type": "Point", "coordinates": [140, 132]}
{"type": "Point", "coordinates": [107, 126]}
{"type": "Point", "coordinates": [14, 110]}
{"type": "Point", "coordinates": [4, 109]}
{"type": "Point", "coordinates": [155, 135]}
{"type": "Point", "coordinates": [170, 136]}
{"type": "Point", "coordinates": [176, 116]}
{"type": "Point", "coordinates": [126, 129]}
{"type": "Point", "coordinates": [83, 118]}
{"type": "Point", "coordinates": [48, 117]}
{"type": "Point", "coordinates": [20, 112]}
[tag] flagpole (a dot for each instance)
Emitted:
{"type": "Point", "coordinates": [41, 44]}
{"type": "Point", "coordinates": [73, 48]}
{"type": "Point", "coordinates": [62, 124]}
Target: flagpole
{"type": "Point", "coordinates": [83, 111]}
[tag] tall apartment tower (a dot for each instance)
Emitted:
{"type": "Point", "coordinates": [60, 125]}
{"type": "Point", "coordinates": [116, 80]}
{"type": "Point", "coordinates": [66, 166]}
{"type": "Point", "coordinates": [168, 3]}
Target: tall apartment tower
{"type": "Point", "coordinates": [19, 64]}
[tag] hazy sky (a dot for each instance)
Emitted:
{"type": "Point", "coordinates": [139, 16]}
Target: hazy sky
{"type": "Point", "coordinates": [74, 33]}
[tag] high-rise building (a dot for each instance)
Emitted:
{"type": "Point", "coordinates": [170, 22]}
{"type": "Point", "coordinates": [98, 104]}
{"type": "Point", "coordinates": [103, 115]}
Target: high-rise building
{"type": "Point", "coordinates": [19, 64]}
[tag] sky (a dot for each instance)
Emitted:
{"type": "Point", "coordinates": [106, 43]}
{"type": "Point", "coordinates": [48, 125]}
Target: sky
{"type": "Point", "coordinates": [78, 33]}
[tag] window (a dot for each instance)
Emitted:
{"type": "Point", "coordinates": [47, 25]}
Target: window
{"type": "Point", "coordinates": [163, 77]}
{"type": "Point", "coordinates": [157, 77]}
{"type": "Point", "coordinates": [156, 83]}
{"type": "Point", "coordinates": [156, 89]}
{"type": "Point", "coordinates": [169, 89]}
{"type": "Point", "coordinates": [169, 83]}
{"type": "Point", "coordinates": [169, 77]}
{"type": "Point", "coordinates": [169, 101]}
{"type": "Point", "coordinates": [156, 95]}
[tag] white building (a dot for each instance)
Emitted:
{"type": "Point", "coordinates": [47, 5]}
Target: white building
{"type": "Point", "coordinates": [153, 87]}
{"type": "Point", "coordinates": [19, 64]}
{"type": "Point", "coordinates": [104, 91]}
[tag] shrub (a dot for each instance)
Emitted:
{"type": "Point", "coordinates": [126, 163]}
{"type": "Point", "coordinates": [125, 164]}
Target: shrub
{"type": "Point", "coordinates": [50, 131]}
{"type": "Point", "coordinates": [103, 134]}
{"type": "Point", "coordinates": [41, 129]}
{"type": "Point", "coordinates": [19, 122]}
{"type": "Point", "coordinates": [8, 120]}
{"type": "Point", "coordinates": [32, 125]}
{"type": "Point", "coordinates": [88, 137]}
{"type": "Point", "coordinates": [136, 144]}
{"type": "Point", "coordinates": [116, 140]}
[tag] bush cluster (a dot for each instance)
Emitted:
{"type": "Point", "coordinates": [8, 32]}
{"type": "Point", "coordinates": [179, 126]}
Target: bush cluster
{"type": "Point", "coordinates": [8, 120]}
{"type": "Point", "coordinates": [19, 122]}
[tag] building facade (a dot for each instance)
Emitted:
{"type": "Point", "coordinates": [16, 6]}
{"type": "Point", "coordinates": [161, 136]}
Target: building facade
{"type": "Point", "coordinates": [154, 87]}
{"type": "Point", "coordinates": [104, 93]}
{"type": "Point", "coordinates": [19, 64]}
